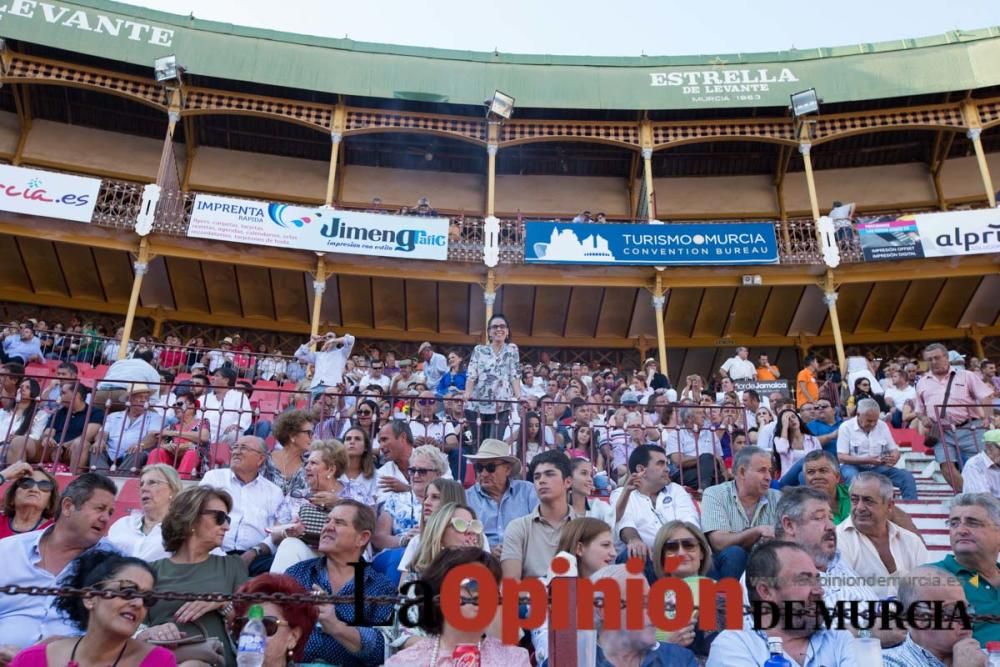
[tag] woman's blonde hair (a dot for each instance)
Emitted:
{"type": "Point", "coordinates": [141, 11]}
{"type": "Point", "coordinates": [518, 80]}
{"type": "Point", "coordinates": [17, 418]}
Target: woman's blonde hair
{"type": "Point", "coordinates": [333, 453]}
{"type": "Point", "coordinates": [434, 455]}
{"type": "Point", "coordinates": [666, 532]}
{"type": "Point", "coordinates": [169, 473]}
{"type": "Point", "coordinates": [433, 533]}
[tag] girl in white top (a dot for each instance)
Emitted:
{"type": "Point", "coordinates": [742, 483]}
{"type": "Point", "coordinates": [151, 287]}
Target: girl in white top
{"type": "Point", "coordinates": [583, 487]}
{"type": "Point", "coordinates": [25, 418]}
{"type": "Point", "coordinates": [139, 534]}
{"type": "Point", "coordinates": [792, 441]}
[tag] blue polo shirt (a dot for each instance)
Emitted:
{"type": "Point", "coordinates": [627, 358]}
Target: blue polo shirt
{"type": "Point", "coordinates": [818, 428]}
{"type": "Point", "coordinates": [77, 422]}
{"type": "Point", "coordinates": [518, 500]}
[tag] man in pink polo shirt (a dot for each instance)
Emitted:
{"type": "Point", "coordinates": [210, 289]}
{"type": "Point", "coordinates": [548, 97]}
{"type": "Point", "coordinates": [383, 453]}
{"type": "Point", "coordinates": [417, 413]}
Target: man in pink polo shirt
{"type": "Point", "coordinates": [961, 421]}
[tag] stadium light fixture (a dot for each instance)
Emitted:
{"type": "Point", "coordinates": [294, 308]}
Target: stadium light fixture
{"type": "Point", "coordinates": [804, 103]}
{"type": "Point", "coordinates": [501, 106]}
{"type": "Point", "coordinates": [166, 69]}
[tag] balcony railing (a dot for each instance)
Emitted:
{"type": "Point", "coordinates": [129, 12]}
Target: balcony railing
{"type": "Point", "coordinates": [118, 205]}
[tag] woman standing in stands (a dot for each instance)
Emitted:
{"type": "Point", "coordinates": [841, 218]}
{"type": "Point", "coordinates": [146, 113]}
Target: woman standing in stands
{"type": "Point", "coordinates": [494, 380]}
{"type": "Point", "coordinates": [107, 624]}
{"type": "Point", "coordinates": [30, 501]}
{"type": "Point", "coordinates": [359, 480]}
{"type": "Point", "coordinates": [24, 418]}
{"type": "Point", "coordinates": [183, 444]}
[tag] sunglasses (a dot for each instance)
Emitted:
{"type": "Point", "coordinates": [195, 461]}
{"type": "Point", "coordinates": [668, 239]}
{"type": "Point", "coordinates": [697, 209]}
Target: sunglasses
{"type": "Point", "coordinates": [426, 401]}
{"type": "Point", "coordinates": [130, 591]}
{"type": "Point", "coordinates": [488, 467]}
{"type": "Point", "coordinates": [30, 483]}
{"type": "Point", "coordinates": [463, 526]}
{"type": "Point", "coordinates": [673, 546]}
{"type": "Point", "coordinates": [271, 625]}
{"type": "Point", "coordinates": [181, 405]}
{"type": "Point", "coordinates": [420, 471]}
{"type": "Point", "coordinates": [220, 516]}
{"type": "Point", "coordinates": [365, 412]}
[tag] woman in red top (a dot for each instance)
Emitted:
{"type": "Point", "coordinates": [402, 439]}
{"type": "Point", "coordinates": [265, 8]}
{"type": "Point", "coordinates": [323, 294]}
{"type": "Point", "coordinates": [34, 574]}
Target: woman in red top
{"type": "Point", "coordinates": [172, 357]}
{"type": "Point", "coordinates": [30, 501]}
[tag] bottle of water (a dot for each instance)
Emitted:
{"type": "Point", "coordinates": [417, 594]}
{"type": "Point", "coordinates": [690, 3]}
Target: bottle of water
{"type": "Point", "coordinates": [993, 651]}
{"type": "Point", "coordinates": [777, 651]}
{"type": "Point", "coordinates": [253, 640]}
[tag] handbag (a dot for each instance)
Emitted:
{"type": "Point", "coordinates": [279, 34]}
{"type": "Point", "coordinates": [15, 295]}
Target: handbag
{"type": "Point", "coordinates": [313, 518]}
{"type": "Point", "coordinates": [935, 433]}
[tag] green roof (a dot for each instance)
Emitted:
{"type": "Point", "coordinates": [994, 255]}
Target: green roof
{"type": "Point", "coordinates": [957, 60]}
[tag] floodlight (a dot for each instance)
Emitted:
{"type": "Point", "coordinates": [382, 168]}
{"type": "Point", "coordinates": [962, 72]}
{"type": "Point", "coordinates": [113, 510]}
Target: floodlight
{"type": "Point", "coordinates": [501, 105]}
{"type": "Point", "coordinates": [166, 68]}
{"type": "Point", "coordinates": [804, 103]}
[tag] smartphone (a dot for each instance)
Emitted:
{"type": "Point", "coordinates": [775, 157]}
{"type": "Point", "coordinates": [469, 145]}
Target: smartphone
{"type": "Point", "coordinates": [190, 639]}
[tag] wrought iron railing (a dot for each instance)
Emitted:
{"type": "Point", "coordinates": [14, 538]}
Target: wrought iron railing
{"type": "Point", "coordinates": [119, 201]}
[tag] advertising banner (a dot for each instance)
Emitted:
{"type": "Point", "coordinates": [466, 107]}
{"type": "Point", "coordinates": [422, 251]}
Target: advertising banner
{"type": "Point", "coordinates": [890, 238]}
{"type": "Point", "coordinates": [318, 229]}
{"type": "Point", "coordinates": [47, 193]}
{"type": "Point", "coordinates": [931, 235]}
{"type": "Point", "coordinates": [764, 387]}
{"type": "Point", "coordinates": [657, 245]}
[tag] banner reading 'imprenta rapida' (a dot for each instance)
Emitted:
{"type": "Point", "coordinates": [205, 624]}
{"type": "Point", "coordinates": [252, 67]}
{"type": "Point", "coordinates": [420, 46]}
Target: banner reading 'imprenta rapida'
{"type": "Point", "coordinates": [318, 228]}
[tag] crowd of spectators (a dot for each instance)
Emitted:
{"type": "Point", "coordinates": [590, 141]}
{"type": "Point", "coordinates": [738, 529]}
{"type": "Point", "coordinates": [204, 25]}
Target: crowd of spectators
{"type": "Point", "coordinates": [421, 464]}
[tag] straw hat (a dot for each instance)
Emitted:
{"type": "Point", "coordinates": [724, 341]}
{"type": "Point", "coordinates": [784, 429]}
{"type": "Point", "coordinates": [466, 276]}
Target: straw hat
{"type": "Point", "coordinates": [491, 449]}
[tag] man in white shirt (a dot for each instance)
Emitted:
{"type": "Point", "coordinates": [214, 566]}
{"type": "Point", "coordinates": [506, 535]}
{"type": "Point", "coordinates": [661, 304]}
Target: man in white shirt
{"type": "Point", "coordinates": [226, 410]}
{"type": "Point", "coordinates": [648, 501]}
{"type": "Point", "coordinates": [739, 366]}
{"type": "Point", "coordinates": [427, 429]}
{"type": "Point", "coordinates": [224, 353]}
{"type": "Point", "coordinates": [981, 473]}
{"type": "Point", "coordinates": [435, 365]}
{"type": "Point", "coordinates": [375, 376]}
{"type": "Point", "coordinates": [873, 545]}
{"type": "Point", "coordinates": [694, 450]}
{"type": "Point", "coordinates": [115, 384]}
{"type": "Point", "coordinates": [865, 443]}
{"type": "Point", "coordinates": [329, 361]}
{"type": "Point", "coordinates": [127, 436]}
{"type": "Point", "coordinates": [255, 504]}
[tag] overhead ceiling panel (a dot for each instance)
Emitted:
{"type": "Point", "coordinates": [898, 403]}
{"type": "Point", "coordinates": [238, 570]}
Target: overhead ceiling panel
{"type": "Point", "coordinates": [713, 313]}
{"type": "Point", "coordinates": [13, 274]}
{"type": "Point", "coordinates": [748, 308]}
{"type": "Point", "coordinates": [584, 309]}
{"type": "Point", "coordinates": [290, 300]}
{"type": "Point", "coordinates": [984, 306]}
{"type": "Point", "coordinates": [356, 301]}
{"type": "Point", "coordinates": [77, 264]}
{"type": "Point", "coordinates": [223, 288]}
{"type": "Point", "coordinates": [187, 283]}
{"type": "Point", "coordinates": [256, 296]}
{"type": "Point", "coordinates": [682, 308]}
{"type": "Point", "coordinates": [952, 302]}
{"type": "Point", "coordinates": [43, 267]}
{"type": "Point", "coordinates": [329, 310]}
{"type": "Point", "coordinates": [882, 304]}
{"type": "Point", "coordinates": [453, 308]}
{"type": "Point", "coordinates": [477, 310]}
{"type": "Point", "coordinates": [518, 307]}
{"type": "Point", "coordinates": [549, 316]}
{"type": "Point", "coordinates": [916, 304]}
{"type": "Point", "coordinates": [616, 311]}
{"type": "Point", "coordinates": [421, 305]}
{"type": "Point", "coordinates": [643, 316]}
{"type": "Point", "coordinates": [851, 300]}
{"type": "Point", "coordinates": [388, 303]}
{"type": "Point", "coordinates": [810, 313]}
{"type": "Point", "coordinates": [781, 305]}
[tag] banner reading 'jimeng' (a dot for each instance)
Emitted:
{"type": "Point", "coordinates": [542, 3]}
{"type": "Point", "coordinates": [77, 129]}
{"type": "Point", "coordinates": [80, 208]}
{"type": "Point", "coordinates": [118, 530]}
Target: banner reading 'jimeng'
{"type": "Point", "coordinates": [658, 245]}
{"type": "Point", "coordinates": [317, 228]}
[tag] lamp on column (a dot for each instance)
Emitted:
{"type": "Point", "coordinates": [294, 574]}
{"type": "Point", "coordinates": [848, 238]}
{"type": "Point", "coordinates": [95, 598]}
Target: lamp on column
{"type": "Point", "coordinates": [804, 103]}
{"type": "Point", "coordinates": [501, 106]}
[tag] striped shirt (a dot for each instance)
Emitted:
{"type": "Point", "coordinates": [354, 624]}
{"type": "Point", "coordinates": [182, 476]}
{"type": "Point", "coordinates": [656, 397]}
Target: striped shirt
{"type": "Point", "coordinates": [909, 654]}
{"type": "Point", "coordinates": [721, 509]}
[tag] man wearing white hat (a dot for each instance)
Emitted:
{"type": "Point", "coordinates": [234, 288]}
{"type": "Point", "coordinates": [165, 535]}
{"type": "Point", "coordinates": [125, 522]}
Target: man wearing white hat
{"type": "Point", "coordinates": [218, 357]}
{"type": "Point", "coordinates": [127, 436]}
{"type": "Point", "coordinates": [981, 473]}
{"type": "Point", "coordinates": [497, 498]}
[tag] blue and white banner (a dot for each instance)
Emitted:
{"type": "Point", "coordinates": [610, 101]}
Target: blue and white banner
{"type": "Point", "coordinates": [652, 244]}
{"type": "Point", "coordinates": [318, 228]}
{"type": "Point", "coordinates": [48, 193]}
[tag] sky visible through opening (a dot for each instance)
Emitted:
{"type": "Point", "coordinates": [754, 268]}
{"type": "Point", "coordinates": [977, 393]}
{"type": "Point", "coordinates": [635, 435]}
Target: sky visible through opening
{"type": "Point", "coordinates": [650, 27]}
